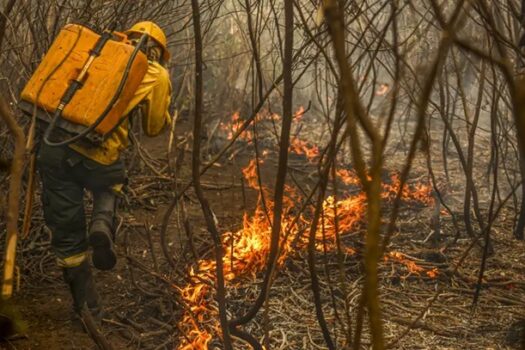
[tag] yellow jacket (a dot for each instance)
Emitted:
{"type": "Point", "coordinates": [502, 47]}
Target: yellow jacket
{"type": "Point", "coordinates": [153, 97]}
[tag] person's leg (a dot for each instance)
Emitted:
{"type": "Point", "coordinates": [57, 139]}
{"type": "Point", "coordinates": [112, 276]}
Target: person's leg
{"type": "Point", "coordinates": [100, 179]}
{"type": "Point", "coordinates": [62, 199]}
{"type": "Point", "coordinates": [82, 287]}
{"type": "Point", "coordinates": [101, 229]}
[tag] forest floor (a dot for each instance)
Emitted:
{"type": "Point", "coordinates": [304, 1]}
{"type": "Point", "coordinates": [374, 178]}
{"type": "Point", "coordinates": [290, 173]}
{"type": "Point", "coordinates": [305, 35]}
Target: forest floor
{"type": "Point", "coordinates": [142, 311]}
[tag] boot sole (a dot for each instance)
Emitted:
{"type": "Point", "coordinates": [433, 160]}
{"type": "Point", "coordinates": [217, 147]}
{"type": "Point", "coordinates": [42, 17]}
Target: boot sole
{"type": "Point", "coordinates": [104, 257]}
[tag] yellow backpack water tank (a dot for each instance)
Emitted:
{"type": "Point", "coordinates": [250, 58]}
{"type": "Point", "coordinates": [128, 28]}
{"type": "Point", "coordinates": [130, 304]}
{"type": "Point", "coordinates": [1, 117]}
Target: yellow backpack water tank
{"type": "Point", "coordinates": [63, 63]}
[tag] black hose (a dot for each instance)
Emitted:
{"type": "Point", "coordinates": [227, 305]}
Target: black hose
{"type": "Point", "coordinates": [73, 88]}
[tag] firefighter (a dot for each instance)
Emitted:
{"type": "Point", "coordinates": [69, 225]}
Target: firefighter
{"type": "Point", "coordinates": [67, 171]}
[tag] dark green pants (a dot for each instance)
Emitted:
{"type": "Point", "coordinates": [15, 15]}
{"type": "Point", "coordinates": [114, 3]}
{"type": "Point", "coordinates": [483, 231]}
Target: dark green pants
{"type": "Point", "coordinates": [65, 175]}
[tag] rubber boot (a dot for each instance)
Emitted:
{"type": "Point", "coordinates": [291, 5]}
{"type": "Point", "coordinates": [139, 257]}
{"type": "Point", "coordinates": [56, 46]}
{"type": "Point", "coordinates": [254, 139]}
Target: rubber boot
{"type": "Point", "coordinates": [101, 230]}
{"type": "Point", "coordinates": [83, 290]}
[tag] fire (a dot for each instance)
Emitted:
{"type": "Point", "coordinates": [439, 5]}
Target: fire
{"type": "Point", "coordinates": [298, 146]}
{"type": "Point", "coordinates": [200, 341]}
{"type": "Point", "coordinates": [234, 123]}
{"type": "Point", "coordinates": [347, 177]}
{"type": "Point", "coordinates": [233, 126]}
{"type": "Point", "coordinates": [416, 193]}
{"type": "Point", "coordinates": [383, 89]}
{"type": "Point", "coordinates": [432, 273]}
{"type": "Point", "coordinates": [350, 211]}
{"type": "Point", "coordinates": [298, 115]}
{"type": "Point", "coordinates": [250, 173]}
{"type": "Point", "coordinates": [246, 250]}
{"type": "Point", "coordinates": [412, 267]}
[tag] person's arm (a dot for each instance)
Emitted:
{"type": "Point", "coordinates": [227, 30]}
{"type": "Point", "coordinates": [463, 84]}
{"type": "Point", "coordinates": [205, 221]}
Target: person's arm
{"type": "Point", "coordinates": [153, 97]}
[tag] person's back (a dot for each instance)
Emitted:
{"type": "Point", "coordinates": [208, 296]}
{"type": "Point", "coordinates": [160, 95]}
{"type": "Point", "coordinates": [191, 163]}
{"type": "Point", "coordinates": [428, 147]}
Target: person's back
{"type": "Point", "coordinates": [66, 171]}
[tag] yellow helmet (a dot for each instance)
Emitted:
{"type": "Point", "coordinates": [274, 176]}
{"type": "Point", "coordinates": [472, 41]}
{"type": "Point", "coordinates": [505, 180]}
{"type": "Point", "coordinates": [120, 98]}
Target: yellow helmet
{"type": "Point", "coordinates": [154, 32]}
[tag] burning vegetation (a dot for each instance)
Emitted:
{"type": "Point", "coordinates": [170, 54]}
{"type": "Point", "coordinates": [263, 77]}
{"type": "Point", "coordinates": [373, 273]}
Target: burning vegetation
{"type": "Point", "coordinates": [246, 251]}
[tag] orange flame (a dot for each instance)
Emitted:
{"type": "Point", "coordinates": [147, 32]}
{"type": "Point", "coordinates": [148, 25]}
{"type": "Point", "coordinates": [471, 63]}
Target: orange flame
{"type": "Point", "coordinates": [347, 177]}
{"type": "Point", "coordinates": [250, 173]}
{"type": "Point", "coordinates": [301, 147]}
{"type": "Point", "coordinates": [412, 267]}
{"type": "Point", "coordinates": [298, 115]}
{"type": "Point", "coordinates": [416, 193]}
{"type": "Point", "coordinates": [234, 126]}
